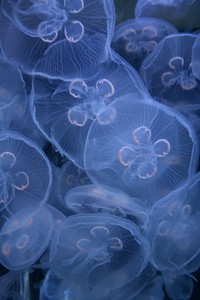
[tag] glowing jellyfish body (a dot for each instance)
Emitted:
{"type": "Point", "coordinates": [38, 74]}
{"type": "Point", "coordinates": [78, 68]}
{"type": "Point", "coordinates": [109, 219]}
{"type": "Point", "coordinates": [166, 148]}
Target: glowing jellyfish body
{"type": "Point", "coordinates": [134, 39]}
{"type": "Point", "coordinates": [196, 57]}
{"type": "Point", "coordinates": [103, 199]}
{"type": "Point", "coordinates": [12, 94]}
{"type": "Point", "coordinates": [90, 246]}
{"type": "Point", "coordinates": [173, 229]}
{"type": "Point", "coordinates": [24, 237]}
{"type": "Point", "coordinates": [64, 111]}
{"type": "Point", "coordinates": [128, 291]}
{"type": "Point", "coordinates": [177, 12]}
{"type": "Point", "coordinates": [168, 74]}
{"type": "Point", "coordinates": [65, 178]}
{"type": "Point", "coordinates": [25, 173]}
{"type": "Point", "coordinates": [146, 151]}
{"type": "Point", "coordinates": [50, 288]}
{"type": "Point", "coordinates": [178, 286]}
{"type": "Point", "coordinates": [62, 39]}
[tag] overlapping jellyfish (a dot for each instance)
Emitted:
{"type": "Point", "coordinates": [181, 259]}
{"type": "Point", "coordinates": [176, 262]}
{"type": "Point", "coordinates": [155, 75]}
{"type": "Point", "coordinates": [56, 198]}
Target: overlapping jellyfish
{"type": "Point", "coordinates": [134, 39]}
{"type": "Point", "coordinates": [64, 111]}
{"type": "Point", "coordinates": [147, 151]}
{"type": "Point", "coordinates": [61, 39]}
{"type": "Point", "coordinates": [99, 150]}
{"type": "Point", "coordinates": [25, 173]}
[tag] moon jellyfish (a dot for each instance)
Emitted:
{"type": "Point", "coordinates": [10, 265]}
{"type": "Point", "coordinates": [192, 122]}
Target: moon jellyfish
{"type": "Point", "coordinates": [181, 13]}
{"type": "Point", "coordinates": [196, 57]}
{"type": "Point", "coordinates": [65, 178]}
{"type": "Point", "coordinates": [178, 286]}
{"type": "Point", "coordinates": [51, 288]}
{"type": "Point", "coordinates": [64, 111]}
{"type": "Point", "coordinates": [147, 151]}
{"type": "Point", "coordinates": [12, 94]}
{"type": "Point", "coordinates": [25, 173]}
{"type": "Point", "coordinates": [134, 39]}
{"type": "Point", "coordinates": [128, 291]}
{"type": "Point", "coordinates": [58, 39]}
{"type": "Point", "coordinates": [90, 246]}
{"type": "Point", "coordinates": [7, 280]}
{"type": "Point", "coordinates": [102, 199]}
{"type": "Point", "coordinates": [173, 230]}
{"type": "Point", "coordinates": [24, 237]}
{"type": "Point", "coordinates": [168, 74]}
{"type": "Point", "coordinates": [135, 288]}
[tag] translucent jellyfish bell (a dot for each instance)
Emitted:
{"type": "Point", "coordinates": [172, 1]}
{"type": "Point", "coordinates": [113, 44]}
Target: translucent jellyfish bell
{"type": "Point", "coordinates": [178, 286]}
{"type": "Point", "coordinates": [173, 230]}
{"type": "Point", "coordinates": [25, 173]}
{"type": "Point", "coordinates": [90, 246]}
{"type": "Point", "coordinates": [134, 39]}
{"type": "Point", "coordinates": [12, 94]}
{"type": "Point", "coordinates": [64, 111]}
{"type": "Point", "coordinates": [128, 291]}
{"type": "Point", "coordinates": [24, 237]}
{"type": "Point", "coordinates": [58, 39]}
{"type": "Point", "coordinates": [103, 199]}
{"type": "Point", "coordinates": [196, 57]}
{"type": "Point", "coordinates": [146, 151]}
{"type": "Point", "coordinates": [50, 288]}
{"type": "Point", "coordinates": [168, 74]}
{"type": "Point", "coordinates": [65, 178]}
{"type": "Point", "coordinates": [177, 12]}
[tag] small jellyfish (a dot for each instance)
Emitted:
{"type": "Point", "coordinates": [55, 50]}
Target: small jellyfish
{"type": "Point", "coordinates": [58, 39]}
{"type": "Point", "coordinates": [12, 94]}
{"type": "Point", "coordinates": [103, 199]}
{"type": "Point", "coordinates": [178, 286]}
{"type": "Point", "coordinates": [173, 229]}
{"type": "Point", "coordinates": [7, 280]}
{"type": "Point", "coordinates": [24, 237]}
{"type": "Point", "coordinates": [65, 178]}
{"type": "Point", "coordinates": [181, 13]}
{"type": "Point", "coordinates": [51, 287]}
{"type": "Point", "coordinates": [90, 246]}
{"type": "Point", "coordinates": [134, 39]}
{"type": "Point", "coordinates": [25, 173]}
{"type": "Point", "coordinates": [64, 111]}
{"type": "Point", "coordinates": [196, 57]}
{"type": "Point", "coordinates": [168, 74]}
{"type": "Point", "coordinates": [147, 151]}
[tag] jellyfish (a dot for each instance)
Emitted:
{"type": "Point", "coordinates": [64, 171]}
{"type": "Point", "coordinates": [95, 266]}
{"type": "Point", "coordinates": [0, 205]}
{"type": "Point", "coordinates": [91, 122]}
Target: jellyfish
{"type": "Point", "coordinates": [196, 57]}
{"type": "Point", "coordinates": [178, 286]}
{"type": "Point", "coordinates": [168, 74]}
{"type": "Point", "coordinates": [51, 287]}
{"type": "Point", "coordinates": [177, 12]}
{"type": "Point", "coordinates": [90, 246]}
{"type": "Point", "coordinates": [24, 237]}
{"type": "Point", "coordinates": [12, 94]}
{"type": "Point", "coordinates": [25, 173]}
{"type": "Point", "coordinates": [173, 229]}
{"type": "Point", "coordinates": [146, 152]}
{"type": "Point", "coordinates": [65, 178]}
{"type": "Point", "coordinates": [134, 39]}
{"type": "Point", "coordinates": [61, 39]}
{"type": "Point", "coordinates": [7, 280]}
{"type": "Point", "coordinates": [103, 199]}
{"type": "Point", "coordinates": [64, 111]}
